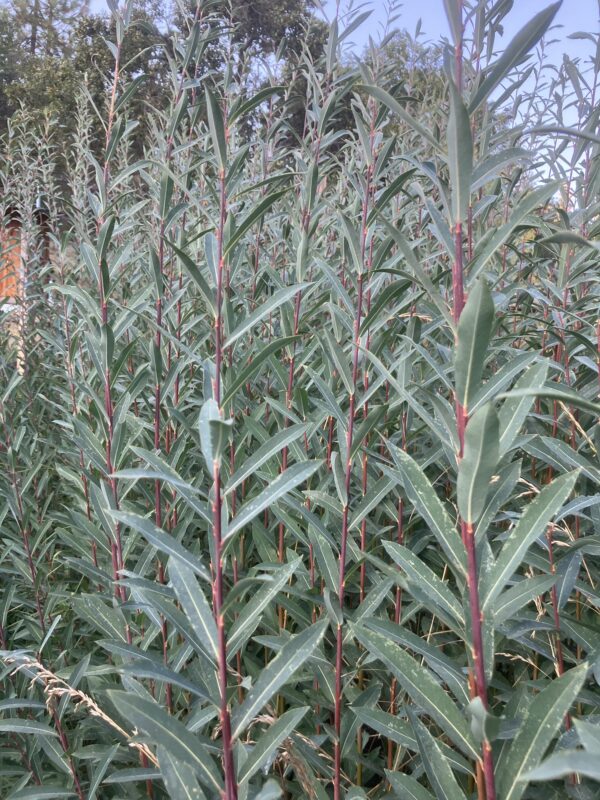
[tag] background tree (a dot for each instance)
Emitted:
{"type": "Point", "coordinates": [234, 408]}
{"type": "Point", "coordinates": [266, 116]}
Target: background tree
{"type": "Point", "coordinates": [259, 26]}
{"type": "Point", "coordinates": [9, 56]}
{"type": "Point", "coordinates": [49, 45]}
{"type": "Point", "coordinates": [36, 59]}
{"type": "Point", "coordinates": [143, 56]}
{"type": "Point", "coordinates": [45, 25]}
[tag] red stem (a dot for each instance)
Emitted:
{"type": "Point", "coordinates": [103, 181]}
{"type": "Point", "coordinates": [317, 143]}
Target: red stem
{"type": "Point", "coordinates": [231, 792]}
{"type": "Point", "coordinates": [467, 532]}
{"type": "Point", "coordinates": [337, 714]}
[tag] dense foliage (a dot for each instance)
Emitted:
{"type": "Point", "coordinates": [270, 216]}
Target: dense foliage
{"type": "Point", "coordinates": [299, 476]}
{"type": "Point", "coordinates": [52, 50]}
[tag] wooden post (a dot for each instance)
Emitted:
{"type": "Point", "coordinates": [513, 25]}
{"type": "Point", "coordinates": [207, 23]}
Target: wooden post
{"type": "Point", "coordinates": [13, 253]}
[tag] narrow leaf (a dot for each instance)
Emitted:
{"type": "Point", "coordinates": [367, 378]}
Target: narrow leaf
{"type": "Point", "coordinates": [418, 572]}
{"type": "Point", "coordinates": [254, 216]}
{"type": "Point", "coordinates": [418, 682]}
{"type": "Point", "coordinates": [281, 296]}
{"type": "Point", "coordinates": [249, 617]}
{"type": "Point", "coordinates": [524, 591]}
{"type": "Point", "coordinates": [516, 50]}
{"type": "Point", "coordinates": [531, 524]}
{"type": "Point", "coordinates": [407, 788]}
{"type": "Point", "coordinates": [422, 495]}
{"type": "Point", "coordinates": [274, 445]}
{"type": "Point", "coordinates": [281, 485]}
{"type": "Point", "coordinates": [436, 766]}
{"type": "Point", "coordinates": [178, 777]}
{"type": "Point", "coordinates": [460, 155]}
{"type": "Point", "coordinates": [164, 542]}
{"type": "Point", "coordinates": [166, 731]}
{"type": "Point", "coordinates": [515, 409]}
{"type": "Point", "coordinates": [216, 127]}
{"type": "Point", "coordinates": [289, 659]}
{"type": "Point", "coordinates": [474, 332]}
{"type": "Point", "coordinates": [29, 726]}
{"type": "Point", "coordinates": [214, 433]}
{"type": "Point", "coordinates": [478, 464]}
{"type": "Point", "coordinates": [393, 105]}
{"type": "Point", "coordinates": [544, 717]}
{"type": "Point", "coordinates": [262, 752]}
{"type": "Point", "coordinates": [194, 604]}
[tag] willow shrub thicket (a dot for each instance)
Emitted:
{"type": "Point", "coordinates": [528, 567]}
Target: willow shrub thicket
{"type": "Point", "coordinates": [299, 442]}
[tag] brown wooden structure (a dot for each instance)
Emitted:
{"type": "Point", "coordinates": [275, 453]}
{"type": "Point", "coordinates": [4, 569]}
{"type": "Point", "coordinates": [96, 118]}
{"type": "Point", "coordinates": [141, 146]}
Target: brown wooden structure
{"type": "Point", "coordinates": [11, 261]}
{"type": "Point", "coordinates": [14, 260]}
{"type": "Point", "coordinates": [14, 256]}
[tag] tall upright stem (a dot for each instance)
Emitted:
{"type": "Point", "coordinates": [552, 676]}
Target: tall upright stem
{"type": "Point", "coordinates": [367, 260]}
{"type": "Point", "coordinates": [467, 530]}
{"type": "Point", "coordinates": [364, 231]}
{"type": "Point", "coordinates": [306, 222]}
{"type": "Point", "coordinates": [158, 515]}
{"type": "Point", "coordinates": [218, 593]}
{"type": "Point", "coordinates": [25, 535]}
{"type": "Point", "coordinates": [116, 545]}
{"type": "Point", "coordinates": [344, 545]}
{"type": "Point", "coordinates": [458, 303]}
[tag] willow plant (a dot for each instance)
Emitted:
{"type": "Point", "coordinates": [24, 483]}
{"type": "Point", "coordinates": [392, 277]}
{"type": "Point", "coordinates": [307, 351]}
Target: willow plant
{"type": "Point", "coordinates": [300, 479]}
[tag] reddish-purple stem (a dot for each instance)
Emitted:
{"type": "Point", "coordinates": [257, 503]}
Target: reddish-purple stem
{"type": "Point", "coordinates": [231, 791]}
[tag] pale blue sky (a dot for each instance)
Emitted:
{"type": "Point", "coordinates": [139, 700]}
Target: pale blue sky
{"type": "Point", "coordinates": [573, 16]}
